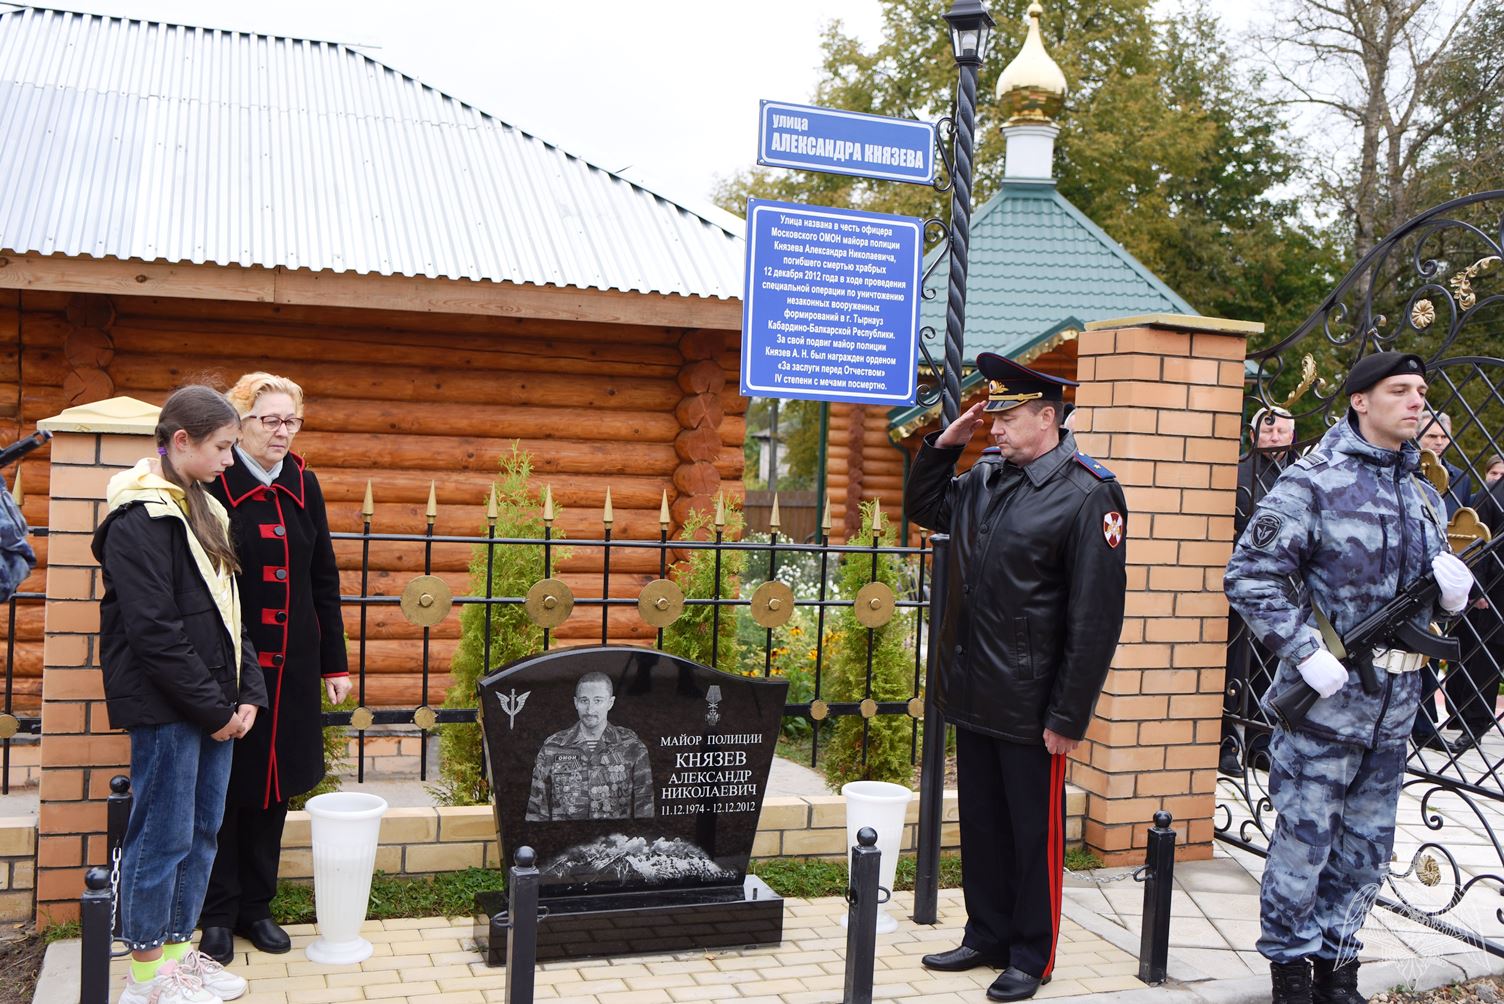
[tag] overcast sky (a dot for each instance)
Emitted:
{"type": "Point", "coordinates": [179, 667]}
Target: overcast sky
{"type": "Point", "coordinates": [662, 91]}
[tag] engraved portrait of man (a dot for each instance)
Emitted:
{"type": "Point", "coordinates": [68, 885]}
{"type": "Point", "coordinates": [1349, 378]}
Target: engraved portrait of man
{"type": "Point", "coordinates": [593, 769]}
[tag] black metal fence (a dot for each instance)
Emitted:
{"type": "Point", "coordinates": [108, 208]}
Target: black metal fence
{"type": "Point", "coordinates": [780, 602]}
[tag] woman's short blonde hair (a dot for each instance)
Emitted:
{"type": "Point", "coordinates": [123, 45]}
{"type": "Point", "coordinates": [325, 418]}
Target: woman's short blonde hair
{"type": "Point", "coordinates": [251, 386]}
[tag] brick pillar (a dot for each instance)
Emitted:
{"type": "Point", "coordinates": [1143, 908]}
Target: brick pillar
{"type": "Point", "coordinates": [80, 752]}
{"type": "Point", "coordinates": [1160, 404]}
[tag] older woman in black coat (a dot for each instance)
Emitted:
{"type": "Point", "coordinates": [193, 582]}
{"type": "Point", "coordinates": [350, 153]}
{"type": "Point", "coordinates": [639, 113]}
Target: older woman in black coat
{"type": "Point", "coordinates": [289, 587]}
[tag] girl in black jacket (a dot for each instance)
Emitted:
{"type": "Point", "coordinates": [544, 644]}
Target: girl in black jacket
{"type": "Point", "coordinates": [181, 677]}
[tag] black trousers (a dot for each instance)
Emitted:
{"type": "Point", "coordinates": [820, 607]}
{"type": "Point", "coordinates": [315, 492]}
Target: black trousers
{"type": "Point", "coordinates": [244, 877]}
{"type": "Point", "coordinates": [1012, 802]}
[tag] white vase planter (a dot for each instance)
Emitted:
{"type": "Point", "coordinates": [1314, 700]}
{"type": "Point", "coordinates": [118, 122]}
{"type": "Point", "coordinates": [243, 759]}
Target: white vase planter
{"type": "Point", "coordinates": [881, 806]}
{"type": "Point", "coordinates": [346, 825]}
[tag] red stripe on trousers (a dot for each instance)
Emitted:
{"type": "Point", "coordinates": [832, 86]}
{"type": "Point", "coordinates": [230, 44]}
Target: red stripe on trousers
{"type": "Point", "coordinates": [1055, 856]}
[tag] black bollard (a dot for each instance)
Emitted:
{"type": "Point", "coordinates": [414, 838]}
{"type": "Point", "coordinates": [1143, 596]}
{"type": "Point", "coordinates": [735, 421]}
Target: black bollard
{"type": "Point", "coordinates": [117, 817]}
{"type": "Point", "coordinates": [932, 771]}
{"type": "Point", "coordinates": [95, 910]}
{"type": "Point", "coordinates": [522, 931]}
{"type": "Point", "coordinates": [861, 917]}
{"type": "Point", "coordinates": [1159, 884]}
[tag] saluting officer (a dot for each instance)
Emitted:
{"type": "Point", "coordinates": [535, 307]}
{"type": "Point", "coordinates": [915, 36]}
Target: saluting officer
{"type": "Point", "coordinates": [593, 769]}
{"type": "Point", "coordinates": [1350, 524]}
{"type": "Point", "coordinates": [1034, 606]}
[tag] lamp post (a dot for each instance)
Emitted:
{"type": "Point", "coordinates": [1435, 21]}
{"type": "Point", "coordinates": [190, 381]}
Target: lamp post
{"type": "Point", "coordinates": [970, 30]}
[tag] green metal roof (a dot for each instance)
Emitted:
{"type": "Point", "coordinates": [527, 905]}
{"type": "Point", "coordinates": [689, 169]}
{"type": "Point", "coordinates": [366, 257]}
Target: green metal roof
{"type": "Point", "coordinates": [1036, 262]}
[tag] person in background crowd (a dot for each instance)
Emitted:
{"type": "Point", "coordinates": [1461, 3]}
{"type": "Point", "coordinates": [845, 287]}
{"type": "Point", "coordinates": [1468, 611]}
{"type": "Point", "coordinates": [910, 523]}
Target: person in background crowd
{"type": "Point", "coordinates": [182, 677]}
{"type": "Point", "coordinates": [1473, 688]}
{"type": "Point", "coordinates": [290, 585]}
{"type": "Point", "coordinates": [1350, 524]}
{"type": "Point", "coordinates": [1270, 434]}
{"type": "Point", "coordinates": [1436, 436]}
{"type": "Point", "coordinates": [1494, 469]}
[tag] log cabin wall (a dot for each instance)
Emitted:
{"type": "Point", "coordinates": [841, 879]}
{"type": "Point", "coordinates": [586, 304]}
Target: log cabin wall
{"type": "Point", "coordinates": [403, 399]}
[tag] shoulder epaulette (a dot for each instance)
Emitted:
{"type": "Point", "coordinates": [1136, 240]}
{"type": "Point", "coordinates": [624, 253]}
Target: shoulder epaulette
{"type": "Point", "coordinates": [1097, 470]}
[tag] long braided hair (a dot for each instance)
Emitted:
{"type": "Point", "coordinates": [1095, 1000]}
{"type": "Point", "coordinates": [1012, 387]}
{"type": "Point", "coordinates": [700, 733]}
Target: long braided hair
{"type": "Point", "coordinates": [200, 412]}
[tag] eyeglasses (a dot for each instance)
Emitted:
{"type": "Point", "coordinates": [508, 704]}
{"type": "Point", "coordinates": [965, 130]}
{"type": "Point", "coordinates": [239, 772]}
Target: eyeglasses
{"type": "Point", "coordinates": [273, 422]}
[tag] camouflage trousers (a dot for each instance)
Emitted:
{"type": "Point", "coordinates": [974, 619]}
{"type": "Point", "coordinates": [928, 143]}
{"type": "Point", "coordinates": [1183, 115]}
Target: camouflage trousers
{"type": "Point", "coordinates": [1331, 843]}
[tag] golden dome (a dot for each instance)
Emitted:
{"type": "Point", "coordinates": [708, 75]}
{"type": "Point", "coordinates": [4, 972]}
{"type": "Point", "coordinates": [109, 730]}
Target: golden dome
{"type": "Point", "coordinates": [1032, 87]}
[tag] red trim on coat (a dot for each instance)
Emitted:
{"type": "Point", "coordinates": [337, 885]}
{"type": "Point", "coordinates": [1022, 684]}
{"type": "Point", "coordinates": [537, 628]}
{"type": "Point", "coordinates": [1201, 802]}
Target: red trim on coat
{"type": "Point", "coordinates": [273, 775]}
{"type": "Point", "coordinates": [298, 496]}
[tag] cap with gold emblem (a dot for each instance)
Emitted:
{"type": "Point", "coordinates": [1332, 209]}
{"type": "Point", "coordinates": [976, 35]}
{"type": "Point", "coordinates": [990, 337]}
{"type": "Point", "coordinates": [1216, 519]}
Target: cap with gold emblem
{"type": "Point", "coordinates": [1010, 384]}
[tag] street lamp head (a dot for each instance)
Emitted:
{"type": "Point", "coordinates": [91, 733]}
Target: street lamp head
{"type": "Point", "coordinates": [970, 29]}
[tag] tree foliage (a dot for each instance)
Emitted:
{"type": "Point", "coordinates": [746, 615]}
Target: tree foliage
{"type": "Point", "coordinates": [1164, 143]}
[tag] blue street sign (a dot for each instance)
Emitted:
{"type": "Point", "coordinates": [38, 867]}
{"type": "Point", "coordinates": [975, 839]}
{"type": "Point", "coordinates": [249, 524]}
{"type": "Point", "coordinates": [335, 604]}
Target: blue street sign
{"type": "Point", "coordinates": [837, 142]}
{"type": "Point", "coordinates": [831, 307]}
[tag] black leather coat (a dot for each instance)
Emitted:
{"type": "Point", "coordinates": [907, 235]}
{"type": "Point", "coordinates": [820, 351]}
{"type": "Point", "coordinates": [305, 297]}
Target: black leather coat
{"type": "Point", "coordinates": [1034, 590]}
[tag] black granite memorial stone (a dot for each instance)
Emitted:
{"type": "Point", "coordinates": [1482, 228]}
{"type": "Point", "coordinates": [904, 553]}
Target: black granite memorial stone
{"type": "Point", "coordinates": [637, 778]}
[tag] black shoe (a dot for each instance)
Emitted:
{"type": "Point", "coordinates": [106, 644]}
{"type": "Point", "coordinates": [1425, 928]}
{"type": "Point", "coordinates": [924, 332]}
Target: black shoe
{"type": "Point", "coordinates": [1435, 741]}
{"type": "Point", "coordinates": [1015, 985]}
{"type": "Point", "coordinates": [958, 960]}
{"type": "Point", "coordinates": [1227, 763]}
{"type": "Point", "coordinates": [218, 943]}
{"type": "Point", "coordinates": [1334, 984]}
{"type": "Point", "coordinates": [1292, 982]}
{"type": "Point", "coordinates": [1465, 741]}
{"type": "Point", "coordinates": [266, 935]}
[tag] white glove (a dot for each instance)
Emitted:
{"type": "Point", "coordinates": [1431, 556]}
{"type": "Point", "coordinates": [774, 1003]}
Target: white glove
{"type": "Point", "coordinates": [1323, 672]}
{"type": "Point", "coordinates": [1455, 580]}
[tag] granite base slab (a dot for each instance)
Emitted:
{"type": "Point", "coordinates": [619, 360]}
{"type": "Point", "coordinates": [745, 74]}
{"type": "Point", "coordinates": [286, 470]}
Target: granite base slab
{"type": "Point", "coordinates": [639, 923]}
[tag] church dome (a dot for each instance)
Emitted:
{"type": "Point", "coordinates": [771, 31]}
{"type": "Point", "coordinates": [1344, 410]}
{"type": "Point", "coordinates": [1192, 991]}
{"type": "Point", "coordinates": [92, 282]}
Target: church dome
{"type": "Point", "coordinates": [1032, 88]}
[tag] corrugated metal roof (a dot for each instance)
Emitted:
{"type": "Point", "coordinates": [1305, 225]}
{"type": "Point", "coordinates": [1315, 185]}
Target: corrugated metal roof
{"type": "Point", "coordinates": [136, 139]}
{"type": "Point", "coordinates": [1037, 261]}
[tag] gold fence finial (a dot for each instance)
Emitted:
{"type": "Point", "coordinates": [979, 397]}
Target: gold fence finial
{"type": "Point", "coordinates": [825, 522]}
{"type": "Point", "coordinates": [877, 516]}
{"type": "Point", "coordinates": [548, 504]}
{"type": "Point", "coordinates": [368, 507]}
{"type": "Point", "coordinates": [16, 491]}
{"type": "Point", "coordinates": [606, 516]}
{"type": "Point", "coordinates": [720, 511]}
{"type": "Point", "coordinates": [664, 517]}
{"type": "Point", "coordinates": [432, 511]}
{"type": "Point", "coordinates": [773, 521]}
{"type": "Point", "coordinates": [493, 513]}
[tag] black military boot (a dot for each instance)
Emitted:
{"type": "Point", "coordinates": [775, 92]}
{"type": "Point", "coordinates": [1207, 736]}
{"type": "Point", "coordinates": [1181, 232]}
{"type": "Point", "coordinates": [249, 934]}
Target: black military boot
{"type": "Point", "coordinates": [1292, 982]}
{"type": "Point", "coordinates": [1334, 984]}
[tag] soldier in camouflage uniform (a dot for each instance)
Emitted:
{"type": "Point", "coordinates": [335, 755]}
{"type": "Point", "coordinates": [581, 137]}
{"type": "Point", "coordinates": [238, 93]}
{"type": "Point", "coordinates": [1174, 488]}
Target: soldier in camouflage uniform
{"type": "Point", "coordinates": [593, 769]}
{"type": "Point", "coordinates": [1343, 529]}
{"type": "Point", "coordinates": [17, 559]}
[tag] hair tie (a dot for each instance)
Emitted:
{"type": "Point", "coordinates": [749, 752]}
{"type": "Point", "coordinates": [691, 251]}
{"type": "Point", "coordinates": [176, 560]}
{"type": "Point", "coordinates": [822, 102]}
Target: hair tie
{"type": "Point", "coordinates": [162, 451]}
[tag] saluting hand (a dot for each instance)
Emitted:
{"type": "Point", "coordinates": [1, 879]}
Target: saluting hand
{"type": "Point", "coordinates": [959, 432]}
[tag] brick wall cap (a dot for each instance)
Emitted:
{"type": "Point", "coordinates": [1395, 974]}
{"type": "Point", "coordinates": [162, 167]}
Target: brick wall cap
{"type": "Point", "coordinates": [120, 415]}
{"type": "Point", "coordinates": [1181, 322]}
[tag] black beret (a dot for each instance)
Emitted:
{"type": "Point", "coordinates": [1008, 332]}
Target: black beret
{"type": "Point", "coordinates": [1380, 366]}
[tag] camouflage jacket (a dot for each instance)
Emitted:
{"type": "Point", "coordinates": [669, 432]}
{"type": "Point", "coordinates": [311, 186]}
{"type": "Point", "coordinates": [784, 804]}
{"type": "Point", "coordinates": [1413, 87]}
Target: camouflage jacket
{"type": "Point", "coordinates": [1345, 525]}
{"type": "Point", "coordinates": [17, 559]}
{"type": "Point", "coordinates": [573, 781]}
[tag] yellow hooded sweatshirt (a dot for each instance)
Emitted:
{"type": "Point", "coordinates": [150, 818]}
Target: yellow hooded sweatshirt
{"type": "Point", "coordinates": [163, 499]}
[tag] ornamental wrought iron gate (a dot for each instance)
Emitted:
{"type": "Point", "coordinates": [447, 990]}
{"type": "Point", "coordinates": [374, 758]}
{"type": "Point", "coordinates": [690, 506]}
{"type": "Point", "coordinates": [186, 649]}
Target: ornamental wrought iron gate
{"type": "Point", "coordinates": [1434, 287]}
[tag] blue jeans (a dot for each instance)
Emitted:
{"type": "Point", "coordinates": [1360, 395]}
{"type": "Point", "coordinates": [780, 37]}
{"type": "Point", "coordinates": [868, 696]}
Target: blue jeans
{"type": "Point", "coordinates": [178, 781]}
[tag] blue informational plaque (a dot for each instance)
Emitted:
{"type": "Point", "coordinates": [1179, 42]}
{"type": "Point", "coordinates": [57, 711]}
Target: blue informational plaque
{"type": "Point", "coordinates": [838, 142]}
{"type": "Point", "coordinates": [831, 306]}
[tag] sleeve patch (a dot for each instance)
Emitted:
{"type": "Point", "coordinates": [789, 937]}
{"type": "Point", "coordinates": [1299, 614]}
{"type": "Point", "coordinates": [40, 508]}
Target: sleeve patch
{"type": "Point", "coordinates": [1112, 528]}
{"type": "Point", "coordinates": [1263, 530]}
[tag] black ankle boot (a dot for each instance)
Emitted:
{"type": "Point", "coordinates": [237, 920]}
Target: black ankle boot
{"type": "Point", "coordinates": [1334, 984]}
{"type": "Point", "coordinates": [1292, 982]}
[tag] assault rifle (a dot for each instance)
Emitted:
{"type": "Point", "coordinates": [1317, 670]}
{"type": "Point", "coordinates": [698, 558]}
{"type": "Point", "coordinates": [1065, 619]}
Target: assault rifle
{"type": "Point", "coordinates": [19, 449]}
{"type": "Point", "coordinates": [1390, 626]}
